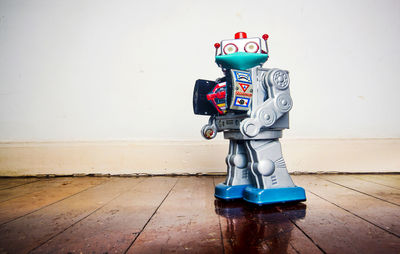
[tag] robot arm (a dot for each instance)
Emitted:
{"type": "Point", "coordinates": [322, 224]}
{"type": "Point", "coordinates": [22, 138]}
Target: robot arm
{"type": "Point", "coordinates": [209, 131]}
{"type": "Point", "coordinates": [275, 83]}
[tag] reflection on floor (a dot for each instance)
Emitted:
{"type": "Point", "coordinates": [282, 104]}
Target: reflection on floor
{"type": "Point", "coordinates": [250, 228]}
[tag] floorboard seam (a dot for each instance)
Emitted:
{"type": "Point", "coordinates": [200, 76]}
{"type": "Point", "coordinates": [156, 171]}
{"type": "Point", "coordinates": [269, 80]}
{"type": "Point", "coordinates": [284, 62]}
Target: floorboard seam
{"type": "Point", "coordinates": [147, 222]}
{"type": "Point", "coordinates": [19, 185]}
{"type": "Point", "coordinates": [17, 196]}
{"type": "Point", "coordinates": [377, 183]}
{"type": "Point", "coordinates": [356, 215]}
{"type": "Point", "coordinates": [291, 245]}
{"type": "Point", "coordinates": [360, 192]}
{"type": "Point", "coordinates": [25, 194]}
{"type": "Point", "coordinates": [297, 226]}
{"type": "Point", "coordinates": [220, 227]}
{"type": "Point", "coordinates": [76, 222]}
{"type": "Point", "coordinates": [2, 224]}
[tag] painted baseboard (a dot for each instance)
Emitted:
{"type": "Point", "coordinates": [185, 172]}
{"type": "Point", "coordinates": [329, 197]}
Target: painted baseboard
{"type": "Point", "coordinates": [181, 157]}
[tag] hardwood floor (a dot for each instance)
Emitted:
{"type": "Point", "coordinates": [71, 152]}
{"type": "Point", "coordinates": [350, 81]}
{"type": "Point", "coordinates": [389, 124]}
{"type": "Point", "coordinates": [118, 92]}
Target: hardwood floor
{"type": "Point", "coordinates": [342, 214]}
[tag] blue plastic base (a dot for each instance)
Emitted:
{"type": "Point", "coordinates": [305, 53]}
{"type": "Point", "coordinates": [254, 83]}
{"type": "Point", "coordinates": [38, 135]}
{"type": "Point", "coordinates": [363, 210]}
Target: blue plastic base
{"type": "Point", "coordinates": [273, 196]}
{"type": "Point", "coordinates": [229, 192]}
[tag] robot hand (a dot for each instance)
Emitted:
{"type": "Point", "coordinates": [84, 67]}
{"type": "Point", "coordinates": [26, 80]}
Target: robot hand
{"type": "Point", "coordinates": [209, 131]}
{"type": "Point", "coordinates": [250, 127]}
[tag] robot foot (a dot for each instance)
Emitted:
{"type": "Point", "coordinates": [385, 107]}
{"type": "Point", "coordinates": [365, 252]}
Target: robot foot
{"type": "Point", "coordinates": [273, 196]}
{"type": "Point", "coordinates": [229, 192]}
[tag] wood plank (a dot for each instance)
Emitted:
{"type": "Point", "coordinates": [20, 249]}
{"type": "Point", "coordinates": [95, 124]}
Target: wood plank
{"type": "Point", "coordinates": [383, 214]}
{"type": "Point", "coordinates": [386, 180]}
{"type": "Point", "coordinates": [253, 229]}
{"type": "Point", "coordinates": [32, 230]}
{"type": "Point", "coordinates": [112, 228]}
{"type": "Point", "coordinates": [10, 193]}
{"type": "Point", "coordinates": [370, 188]}
{"type": "Point", "coordinates": [6, 183]}
{"type": "Point", "coordinates": [336, 230]}
{"type": "Point", "coordinates": [185, 222]}
{"type": "Point", "coordinates": [48, 192]}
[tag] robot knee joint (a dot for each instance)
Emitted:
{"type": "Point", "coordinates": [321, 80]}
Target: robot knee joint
{"type": "Point", "coordinates": [265, 167]}
{"type": "Point", "coordinates": [239, 160]}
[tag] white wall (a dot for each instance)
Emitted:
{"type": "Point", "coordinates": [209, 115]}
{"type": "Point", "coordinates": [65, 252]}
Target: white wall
{"type": "Point", "coordinates": [125, 70]}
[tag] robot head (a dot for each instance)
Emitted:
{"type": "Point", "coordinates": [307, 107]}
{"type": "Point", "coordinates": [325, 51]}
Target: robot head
{"type": "Point", "coordinates": [241, 53]}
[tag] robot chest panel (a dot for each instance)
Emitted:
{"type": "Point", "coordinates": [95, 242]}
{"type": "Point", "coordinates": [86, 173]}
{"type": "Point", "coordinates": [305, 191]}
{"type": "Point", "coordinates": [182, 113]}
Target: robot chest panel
{"type": "Point", "coordinates": [241, 90]}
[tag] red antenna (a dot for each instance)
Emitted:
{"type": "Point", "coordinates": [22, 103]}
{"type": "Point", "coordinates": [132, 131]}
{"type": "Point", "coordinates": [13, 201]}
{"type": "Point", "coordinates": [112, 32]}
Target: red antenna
{"type": "Point", "coordinates": [265, 37]}
{"type": "Point", "coordinates": [216, 46]}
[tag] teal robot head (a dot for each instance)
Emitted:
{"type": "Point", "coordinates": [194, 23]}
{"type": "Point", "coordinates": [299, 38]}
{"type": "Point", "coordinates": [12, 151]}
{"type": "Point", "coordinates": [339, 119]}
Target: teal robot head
{"type": "Point", "coordinates": [241, 53]}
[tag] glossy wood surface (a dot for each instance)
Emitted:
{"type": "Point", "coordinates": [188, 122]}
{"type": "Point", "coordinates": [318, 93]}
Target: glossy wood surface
{"type": "Point", "coordinates": [186, 221]}
{"type": "Point", "coordinates": [379, 191]}
{"type": "Point", "coordinates": [342, 214]}
{"type": "Point", "coordinates": [40, 194]}
{"type": "Point", "coordinates": [371, 210]}
{"type": "Point", "coordinates": [253, 229]}
{"type": "Point", "coordinates": [6, 183]}
{"type": "Point", "coordinates": [114, 226]}
{"type": "Point", "coordinates": [386, 180]}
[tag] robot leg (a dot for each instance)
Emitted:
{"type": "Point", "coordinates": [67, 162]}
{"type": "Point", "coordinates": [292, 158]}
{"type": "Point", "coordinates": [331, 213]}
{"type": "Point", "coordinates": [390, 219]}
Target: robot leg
{"type": "Point", "coordinates": [238, 173]}
{"type": "Point", "coordinates": [272, 181]}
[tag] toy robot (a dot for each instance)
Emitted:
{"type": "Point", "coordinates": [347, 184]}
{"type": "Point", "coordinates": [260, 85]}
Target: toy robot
{"type": "Point", "coordinates": [250, 105]}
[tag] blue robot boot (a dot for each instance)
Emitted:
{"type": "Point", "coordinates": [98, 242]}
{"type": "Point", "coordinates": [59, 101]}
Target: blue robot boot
{"type": "Point", "coordinates": [238, 177]}
{"type": "Point", "coordinates": [273, 183]}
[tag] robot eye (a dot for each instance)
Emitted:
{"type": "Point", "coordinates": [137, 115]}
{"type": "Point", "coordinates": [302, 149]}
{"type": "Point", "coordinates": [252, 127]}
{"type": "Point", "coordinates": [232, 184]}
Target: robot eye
{"type": "Point", "coordinates": [251, 47]}
{"type": "Point", "coordinates": [230, 48]}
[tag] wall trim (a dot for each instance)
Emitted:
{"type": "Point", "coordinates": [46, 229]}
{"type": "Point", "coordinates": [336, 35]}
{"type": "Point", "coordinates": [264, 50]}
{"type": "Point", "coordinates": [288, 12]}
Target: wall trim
{"type": "Point", "coordinates": [190, 157]}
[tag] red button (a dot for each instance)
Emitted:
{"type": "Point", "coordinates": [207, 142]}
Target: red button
{"type": "Point", "coordinates": [240, 35]}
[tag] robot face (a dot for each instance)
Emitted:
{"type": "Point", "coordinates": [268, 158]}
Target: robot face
{"type": "Point", "coordinates": [242, 53]}
{"type": "Point", "coordinates": [248, 45]}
